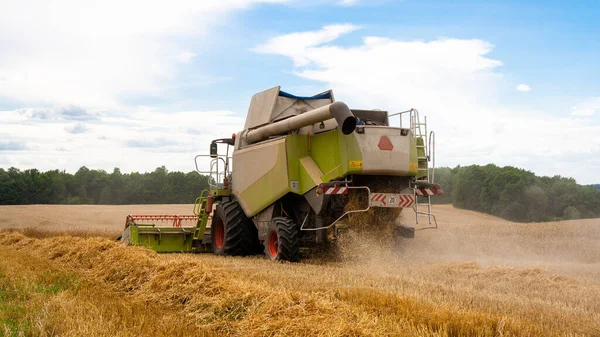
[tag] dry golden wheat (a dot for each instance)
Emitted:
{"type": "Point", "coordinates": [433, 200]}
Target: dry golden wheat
{"type": "Point", "coordinates": [475, 276]}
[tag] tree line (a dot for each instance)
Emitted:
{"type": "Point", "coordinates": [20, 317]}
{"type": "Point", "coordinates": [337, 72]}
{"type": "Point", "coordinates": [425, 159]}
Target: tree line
{"type": "Point", "coordinates": [516, 194]}
{"type": "Point", "coordinates": [508, 192]}
{"type": "Point", "coordinates": [99, 187]}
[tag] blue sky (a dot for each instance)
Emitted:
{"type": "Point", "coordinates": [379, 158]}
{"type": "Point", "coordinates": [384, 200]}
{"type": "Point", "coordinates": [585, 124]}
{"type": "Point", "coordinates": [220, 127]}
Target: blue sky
{"type": "Point", "coordinates": [141, 84]}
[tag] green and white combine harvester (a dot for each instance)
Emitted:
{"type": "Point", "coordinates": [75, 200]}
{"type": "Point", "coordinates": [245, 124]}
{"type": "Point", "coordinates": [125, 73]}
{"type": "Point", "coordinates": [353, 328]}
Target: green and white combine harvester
{"type": "Point", "coordinates": [286, 182]}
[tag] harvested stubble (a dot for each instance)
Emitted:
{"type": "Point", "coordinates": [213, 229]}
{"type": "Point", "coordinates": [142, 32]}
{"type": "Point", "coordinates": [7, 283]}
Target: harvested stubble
{"type": "Point", "coordinates": [126, 291]}
{"type": "Point", "coordinates": [40, 233]}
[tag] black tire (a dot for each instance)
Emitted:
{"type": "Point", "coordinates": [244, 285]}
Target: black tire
{"type": "Point", "coordinates": [232, 233]}
{"type": "Point", "coordinates": [283, 240]}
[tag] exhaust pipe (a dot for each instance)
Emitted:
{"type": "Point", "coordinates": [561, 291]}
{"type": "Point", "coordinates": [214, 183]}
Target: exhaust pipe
{"type": "Point", "coordinates": [337, 110]}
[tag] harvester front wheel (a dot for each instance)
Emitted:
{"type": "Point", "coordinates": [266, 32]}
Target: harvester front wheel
{"type": "Point", "coordinates": [283, 240]}
{"type": "Point", "coordinates": [232, 233]}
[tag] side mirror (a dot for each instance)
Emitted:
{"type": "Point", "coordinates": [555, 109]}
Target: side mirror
{"type": "Point", "coordinates": [213, 150]}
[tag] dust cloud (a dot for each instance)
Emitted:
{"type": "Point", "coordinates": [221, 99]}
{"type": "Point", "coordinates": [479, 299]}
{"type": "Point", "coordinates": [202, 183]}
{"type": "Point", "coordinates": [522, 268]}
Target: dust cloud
{"type": "Point", "coordinates": [566, 247]}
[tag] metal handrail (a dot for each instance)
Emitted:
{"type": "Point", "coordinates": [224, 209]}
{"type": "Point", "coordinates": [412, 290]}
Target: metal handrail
{"type": "Point", "coordinates": [403, 112]}
{"type": "Point", "coordinates": [214, 172]}
{"type": "Point", "coordinates": [431, 155]}
{"type": "Point", "coordinates": [343, 215]}
{"type": "Point", "coordinates": [198, 201]}
{"type": "Point", "coordinates": [431, 215]}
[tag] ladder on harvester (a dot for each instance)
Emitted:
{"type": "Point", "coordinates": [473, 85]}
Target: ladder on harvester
{"type": "Point", "coordinates": [425, 154]}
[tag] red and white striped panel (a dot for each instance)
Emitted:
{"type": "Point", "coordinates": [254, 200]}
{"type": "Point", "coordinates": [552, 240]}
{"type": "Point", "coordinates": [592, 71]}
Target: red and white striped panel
{"type": "Point", "coordinates": [424, 191]}
{"type": "Point", "coordinates": [335, 190]}
{"type": "Point", "coordinates": [432, 189]}
{"type": "Point", "coordinates": [392, 200]}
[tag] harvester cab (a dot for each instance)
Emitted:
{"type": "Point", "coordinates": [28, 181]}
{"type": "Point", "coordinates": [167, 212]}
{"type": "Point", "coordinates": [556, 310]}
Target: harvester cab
{"type": "Point", "coordinates": [294, 174]}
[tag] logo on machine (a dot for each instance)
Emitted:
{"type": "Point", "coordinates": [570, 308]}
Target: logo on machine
{"type": "Point", "coordinates": [356, 164]}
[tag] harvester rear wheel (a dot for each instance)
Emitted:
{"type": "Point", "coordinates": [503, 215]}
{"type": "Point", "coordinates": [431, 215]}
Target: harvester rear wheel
{"type": "Point", "coordinates": [283, 240]}
{"type": "Point", "coordinates": [232, 233]}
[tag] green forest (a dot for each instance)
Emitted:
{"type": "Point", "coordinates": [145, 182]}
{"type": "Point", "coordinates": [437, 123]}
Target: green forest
{"type": "Point", "coordinates": [99, 187]}
{"type": "Point", "coordinates": [508, 192]}
{"type": "Point", "coordinates": [516, 194]}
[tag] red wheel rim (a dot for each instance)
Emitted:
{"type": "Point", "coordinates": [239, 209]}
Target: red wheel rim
{"type": "Point", "coordinates": [273, 244]}
{"type": "Point", "coordinates": [219, 234]}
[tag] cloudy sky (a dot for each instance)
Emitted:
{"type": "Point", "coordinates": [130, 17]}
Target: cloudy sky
{"type": "Point", "coordinates": [139, 84]}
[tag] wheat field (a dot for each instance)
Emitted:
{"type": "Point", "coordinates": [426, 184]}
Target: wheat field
{"type": "Point", "coordinates": [61, 274]}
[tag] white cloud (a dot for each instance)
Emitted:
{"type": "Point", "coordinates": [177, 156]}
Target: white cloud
{"type": "Point", "coordinates": [523, 88]}
{"type": "Point", "coordinates": [58, 112]}
{"type": "Point", "coordinates": [70, 62]}
{"type": "Point", "coordinates": [586, 108]}
{"type": "Point", "coordinates": [77, 128]}
{"type": "Point", "coordinates": [297, 45]}
{"type": "Point", "coordinates": [69, 51]}
{"type": "Point", "coordinates": [140, 141]}
{"type": "Point", "coordinates": [13, 146]}
{"type": "Point", "coordinates": [185, 56]}
{"type": "Point", "coordinates": [452, 81]}
{"type": "Point", "coordinates": [348, 2]}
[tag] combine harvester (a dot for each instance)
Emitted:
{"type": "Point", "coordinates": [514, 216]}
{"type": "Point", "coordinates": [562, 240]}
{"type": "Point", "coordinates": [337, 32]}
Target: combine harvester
{"type": "Point", "coordinates": [284, 181]}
